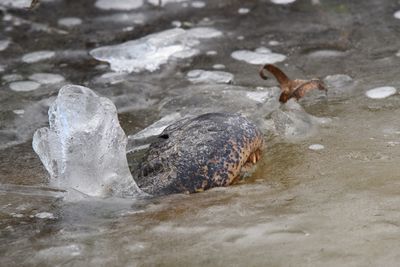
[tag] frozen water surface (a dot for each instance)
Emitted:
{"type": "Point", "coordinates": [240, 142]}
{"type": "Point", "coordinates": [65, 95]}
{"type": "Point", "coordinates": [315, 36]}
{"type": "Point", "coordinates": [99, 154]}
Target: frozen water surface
{"type": "Point", "coordinates": [47, 78]}
{"type": "Point", "coordinates": [332, 207]}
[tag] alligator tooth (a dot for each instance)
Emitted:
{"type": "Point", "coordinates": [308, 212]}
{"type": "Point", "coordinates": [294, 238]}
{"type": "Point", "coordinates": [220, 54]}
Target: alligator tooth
{"type": "Point", "coordinates": [253, 158]}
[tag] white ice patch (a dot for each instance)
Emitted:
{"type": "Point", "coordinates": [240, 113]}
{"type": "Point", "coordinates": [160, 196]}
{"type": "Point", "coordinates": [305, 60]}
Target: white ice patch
{"type": "Point", "coordinates": [397, 14]}
{"type": "Point", "coordinates": [211, 53]}
{"type": "Point", "coordinates": [118, 4]}
{"type": "Point", "coordinates": [4, 44]}
{"type": "Point", "coordinates": [243, 10]}
{"type": "Point", "coordinates": [24, 86]}
{"type": "Point", "coordinates": [164, 2]}
{"type": "Point", "coordinates": [69, 22]}
{"type": "Point", "coordinates": [45, 215]}
{"type": "Point", "coordinates": [316, 147]}
{"type": "Point", "coordinates": [19, 111]}
{"type": "Point", "coordinates": [16, 3]}
{"type": "Point", "coordinates": [273, 43]}
{"type": "Point", "coordinates": [261, 55]}
{"type": "Point", "coordinates": [153, 50]}
{"type": "Point", "coordinates": [37, 56]}
{"type": "Point", "coordinates": [198, 4]}
{"type": "Point", "coordinates": [219, 66]}
{"type": "Point", "coordinates": [84, 148]}
{"type": "Point", "coordinates": [204, 76]}
{"type": "Point", "coordinates": [47, 78]}
{"type": "Point", "coordinates": [282, 2]}
{"type": "Point", "coordinates": [381, 92]}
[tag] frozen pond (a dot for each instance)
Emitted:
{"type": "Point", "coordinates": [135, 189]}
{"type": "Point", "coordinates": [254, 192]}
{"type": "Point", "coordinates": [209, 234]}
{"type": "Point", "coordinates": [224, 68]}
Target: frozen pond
{"type": "Point", "coordinates": [327, 190]}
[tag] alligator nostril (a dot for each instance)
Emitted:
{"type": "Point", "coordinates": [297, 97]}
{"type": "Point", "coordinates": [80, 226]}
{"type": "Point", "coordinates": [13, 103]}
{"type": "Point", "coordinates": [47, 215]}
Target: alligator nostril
{"type": "Point", "coordinates": [164, 136]}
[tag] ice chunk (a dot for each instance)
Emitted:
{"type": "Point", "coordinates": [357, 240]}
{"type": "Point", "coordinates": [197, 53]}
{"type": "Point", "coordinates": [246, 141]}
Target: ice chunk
{"type": "Point", "coordinates": [198, 4]}
{"type": "Point", "coordinates": [151, 51]}
{"type": "Point", "coordinates": [381, 92]}
{"type": "Point", "coordinates": [282, 2]}
{"type": "Point", "coordinates": [45, 215]}
{"type": "Point", "coordinates": [19, 111]}
{"type": "Point", "coordinates": [37, 56]}
{"type": "Point", "coordinates": [119, 4]}
{"type": "Point", "coordinates": [69, 22]}
{"type": "Point", "coordinates": [397, 14]}
{"type": "Point", "coordinates": [16, 3]}
{"type": "Point", "coordinates": [24, 86]}
{"type": "Point", "coordinates": [316, 147]}
{"type": "Point", "coordinates": [219, 66]}
{"type": "Point", "coordinates": [243, 10]}
{"type": "Point", "coordinates": [259, 56]}
{"type": "Point", "coordinates": [273, 43]}
{"type": "Point", "coordinates": [4, 44]}
{"type": "Point", "coordinates": [164, 2]}
{"type": "Point", "coordinates": [293, 122]}
{"type": "Point", "coordinates": [204, 76]}
{"type": "Point", "coordinates": [85, 148]}
{"type": "Point", "coordinates": [47, 78]}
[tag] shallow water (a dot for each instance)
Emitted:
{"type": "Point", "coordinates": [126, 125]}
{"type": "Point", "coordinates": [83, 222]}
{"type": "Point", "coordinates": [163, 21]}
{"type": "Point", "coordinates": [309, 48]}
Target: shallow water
{"type": "Point", "coordinates": [302, 207]}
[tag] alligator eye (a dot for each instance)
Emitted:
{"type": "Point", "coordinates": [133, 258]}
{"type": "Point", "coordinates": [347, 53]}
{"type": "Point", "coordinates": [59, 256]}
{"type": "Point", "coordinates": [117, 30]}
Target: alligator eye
{"type": "Point", "coordinates": [164, 136]}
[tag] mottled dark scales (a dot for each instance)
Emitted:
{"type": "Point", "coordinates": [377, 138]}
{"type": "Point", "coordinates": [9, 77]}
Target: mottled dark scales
{"type": "Point", "coordinates": [198, 153]}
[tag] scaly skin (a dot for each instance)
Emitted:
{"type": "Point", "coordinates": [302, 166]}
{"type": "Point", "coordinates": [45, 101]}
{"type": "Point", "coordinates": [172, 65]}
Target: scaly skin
{"type": "Point", "coordinates": [199, 153]}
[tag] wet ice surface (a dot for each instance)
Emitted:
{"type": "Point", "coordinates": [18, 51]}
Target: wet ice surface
{"type": "Point", "coordinates": [149, 52]}
{"type": "Point", "coordinates": [337, 206]}
{"type": "Point", "coordinates": [204, 76]}
{"type": "Point", "coordinates": [381, 92]}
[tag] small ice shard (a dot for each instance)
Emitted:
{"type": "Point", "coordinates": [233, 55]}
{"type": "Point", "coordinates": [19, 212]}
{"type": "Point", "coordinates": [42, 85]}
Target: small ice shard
{"type": "Point", "coordinates": [397, 14]}
{"type": "Point", "coordinates": [24, 86]}
{"type": "Point", "coordinates": [204, 76]}
{"type": "Point", "coordinates": [69, 22]}
{"type": "Point", "coordinates": [316, 147]}
{"type": "Point", "coordinates": [282, 2]}
{"type": "Point", "coordinates": [240, 38]}
{"type": "Point", "coordinates": [219, 66]}
{"type": "Point", "coordinates": [111, 77]}
{"type": "Point", "coordinates": [164, 2]}
{"type": "Point", "coordinates": [84, 148]}
{"type": "Point", "coordinates": [260, 56]}
{"type": "Point", "coordinates": [151, 51]}
{"type": "Point", "coordinates": [243, 10]}
{"type": "Point", "coordinates": [19, 111]}
{"type": "Point", "coordinates": [37, 56]}
{"type": "Point", "coordinates": [45, 215]}
{"type": "Point", "coordinates": [118, 4]}
{"type": "Point", "coordinates": [273, 43]}
{"type": "Point", "coordinates": [47, 78]}
{"type": "Point", "coordinates": [381, 92]}
{"type": "Point", "coordinates": [211, 53]}
{"type": "Point", "coordinates": [4, 44]}
{"type": "Point", "coordinates": [198, 4]}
